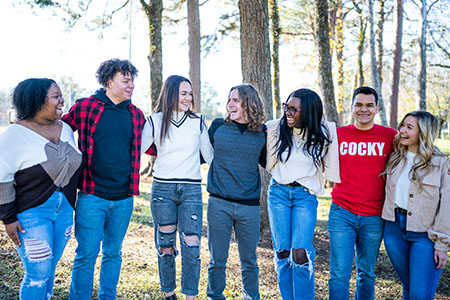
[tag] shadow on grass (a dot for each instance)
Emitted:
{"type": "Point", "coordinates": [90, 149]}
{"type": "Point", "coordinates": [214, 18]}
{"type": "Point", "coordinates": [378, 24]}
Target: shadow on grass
{"type": "Point", "coordinates": [146, 196]}
{"type": "Point", "coordinates": [321, 225]}
{"type": "Point", "coordinates": [142, 219]}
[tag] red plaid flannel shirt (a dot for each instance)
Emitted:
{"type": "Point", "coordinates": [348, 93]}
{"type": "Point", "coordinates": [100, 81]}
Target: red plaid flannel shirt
{"type": "Point", "coordinates": [84, 116]}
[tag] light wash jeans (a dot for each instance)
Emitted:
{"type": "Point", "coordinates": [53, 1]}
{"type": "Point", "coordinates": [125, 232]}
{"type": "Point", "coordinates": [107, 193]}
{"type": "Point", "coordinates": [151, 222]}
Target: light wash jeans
{"type": "Point", "coordinates": [349, 231]}
{"type": "Point", "coordinates": [179, 205]}
{"type": "Point", "coordinates": [412, 254]}
{"type": "Point", "coordinates": [99, 221]}
{"type": "Point", "coordinates": [222, 217]}
{"type": "Point", "coordinates": [292, 215]}
{"type": "Point", "coordinates": [48, 227]}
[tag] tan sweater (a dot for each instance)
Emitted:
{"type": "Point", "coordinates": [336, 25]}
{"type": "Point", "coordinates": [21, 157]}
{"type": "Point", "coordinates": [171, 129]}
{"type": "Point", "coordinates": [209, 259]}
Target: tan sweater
{"type": "Point", "coordinates": [429, 207]}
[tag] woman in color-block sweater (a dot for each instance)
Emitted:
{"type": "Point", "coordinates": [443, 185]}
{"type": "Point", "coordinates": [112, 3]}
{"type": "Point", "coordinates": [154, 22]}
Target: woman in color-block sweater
{"type": "Point", "coordinates": [300, 146]}
{"type": "Point", "coordinates": [39, 170]}
{"type": "Point", "coordinates": [417, 206]}
{"type": "Point", "coordinates": [180, 137]}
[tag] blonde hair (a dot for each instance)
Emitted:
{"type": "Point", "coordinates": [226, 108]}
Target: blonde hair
{"type": "Point", "coordinates": [252, 104]}
{"type": "Point", "coordinates": [428, 131]}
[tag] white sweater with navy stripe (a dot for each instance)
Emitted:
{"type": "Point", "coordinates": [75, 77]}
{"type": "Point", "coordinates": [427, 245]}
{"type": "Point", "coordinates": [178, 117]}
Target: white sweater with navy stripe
{"type": "Point", "coordinates": [178, 159]}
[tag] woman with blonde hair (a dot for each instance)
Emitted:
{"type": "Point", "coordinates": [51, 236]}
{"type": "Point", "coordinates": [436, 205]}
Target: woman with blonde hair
{"type": "Point", "coordinates": [417, 206]}
{"type": "Point", "coordinates": [234, 186]}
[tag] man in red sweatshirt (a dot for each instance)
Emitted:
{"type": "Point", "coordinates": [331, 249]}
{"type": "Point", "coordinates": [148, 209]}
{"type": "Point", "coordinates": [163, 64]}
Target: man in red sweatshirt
{"type": "Point", "coordinates": [355, 214]}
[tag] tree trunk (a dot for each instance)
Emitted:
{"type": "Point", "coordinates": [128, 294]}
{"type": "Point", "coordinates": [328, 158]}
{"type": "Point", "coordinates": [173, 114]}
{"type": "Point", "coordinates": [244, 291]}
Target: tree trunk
{"type": "Point", "coordinates": [255, 64]}
{"type": "Point", "coordinates": [194, 51]}
{"type": "Point", "coordinates": [397, 62]}
{"type": "Point", "coordinates": [322, 40]}
{"type": "Point", "coordinates": [359, 76]}
{"type": "Point", "coordinates": [422, 91]}
{"type": "Point", "coordinates": [153, 10]}
{"type": "Point", "coordinates": [380, 40]}
{"type": "Point", "coordinates": [276, 30]}
{"type": "Point", "coordinates": [340, 59]}
{"type": "Point", "coordinates": [361, 41]}
{"type": "Point", "coordinates": [375, 72]}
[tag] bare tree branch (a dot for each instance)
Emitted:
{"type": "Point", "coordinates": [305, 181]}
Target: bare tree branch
{"type": "Point", "coordinates": [431, 5]}
{"type": "Point", "coordinates": [446, 52]}
{"type": "Point", "coordinates": [440, 66]}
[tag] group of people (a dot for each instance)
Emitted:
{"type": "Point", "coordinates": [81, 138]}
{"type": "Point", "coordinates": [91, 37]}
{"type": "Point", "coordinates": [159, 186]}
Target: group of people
{"type": "Point", "coordinates": [386, 183]}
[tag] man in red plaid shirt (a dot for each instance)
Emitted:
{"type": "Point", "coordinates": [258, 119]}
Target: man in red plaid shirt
{"type": "Point", "coordinates": [109, 128]}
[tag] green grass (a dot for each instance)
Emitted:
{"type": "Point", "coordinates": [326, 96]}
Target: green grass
{"type": "Point", "coordinates": [443, 145]}
{"type": "Point", "coordinates": [139, 277]}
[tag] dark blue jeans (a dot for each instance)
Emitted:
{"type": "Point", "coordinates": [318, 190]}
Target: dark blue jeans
{"type": "Point", "coordinates": [178, 205]}
{"type": "Point", "coordinates": [99, 221]}
{"type": "Point", "coordinates": [349, 231]}
{"type": "Point", "coordinates": [412, 254]}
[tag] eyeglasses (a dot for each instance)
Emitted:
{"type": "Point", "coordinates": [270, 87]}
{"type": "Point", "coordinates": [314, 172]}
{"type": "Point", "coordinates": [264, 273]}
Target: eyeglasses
{"type": "Point", "coordinates": [292, 110]}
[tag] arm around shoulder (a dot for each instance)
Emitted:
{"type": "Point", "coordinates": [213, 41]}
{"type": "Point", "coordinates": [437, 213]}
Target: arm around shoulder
{"type": "Point", "coordinates": [206, 148]}
{"type": "Point", "coordinates": [331, 158]}
{"type": "Point", "coordinates": [147, 135]}
{"type": "Point", "coordinates": [70, 118]}
{"type": "Point", "coordinates": [271, 142]}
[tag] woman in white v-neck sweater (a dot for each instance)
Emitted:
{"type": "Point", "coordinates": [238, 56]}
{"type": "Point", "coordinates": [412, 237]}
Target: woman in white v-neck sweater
{"type": "Point", "coordinates": [180, 137]}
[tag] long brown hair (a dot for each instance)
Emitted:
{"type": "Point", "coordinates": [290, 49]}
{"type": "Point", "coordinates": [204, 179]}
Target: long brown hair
{"type": "Point", "coordinates": [252, 104]}
{"type": "Point", "coordinates": [168, 102]}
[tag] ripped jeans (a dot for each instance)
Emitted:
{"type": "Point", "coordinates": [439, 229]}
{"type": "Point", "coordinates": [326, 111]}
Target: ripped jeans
{"type": "Point", "coordinates": [178, 206]}
{"type": "Point", "coordinates": [48, 228]}
{"type": "Point", "coordinates": [292, 215]}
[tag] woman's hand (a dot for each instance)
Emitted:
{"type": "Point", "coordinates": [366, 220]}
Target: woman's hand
{"type": "Point", "coordinates": [440, 258]}
{"type": "Point", "coordinates": [11, 230]}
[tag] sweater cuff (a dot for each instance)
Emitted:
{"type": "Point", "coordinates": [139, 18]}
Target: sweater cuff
{"type": "Point", "coordinates": [10, 220]}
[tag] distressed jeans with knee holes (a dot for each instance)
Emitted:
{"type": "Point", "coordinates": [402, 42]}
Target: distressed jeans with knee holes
{"type": "Point", "coordinates": [48, 228]}
{"type": "Point", "coordinates": [292, 215]}
{"type": "Point", "coordinates": [178, 206]}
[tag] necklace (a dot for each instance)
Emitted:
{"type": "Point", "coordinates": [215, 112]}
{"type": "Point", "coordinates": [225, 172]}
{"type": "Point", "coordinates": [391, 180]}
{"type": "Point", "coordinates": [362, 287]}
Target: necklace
{"type": "Point", "coordinates": [298, 143]}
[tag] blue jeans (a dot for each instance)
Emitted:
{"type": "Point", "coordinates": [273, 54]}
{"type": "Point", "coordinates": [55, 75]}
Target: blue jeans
{"type": "Point", "coordinates": [292, 215]}
{"type": "Point", "coordinates": [97, 221]}
{"type": "Point", "coordinates": [222, 217]}
{"type": "Point", "coordinates": [48, 227]}
{"type": "Point", "coordinates": [178, 205]}
{"type": "Point", "coordinates": [348, 231]}
{"type": "Point", "coordinates": [412, 254]}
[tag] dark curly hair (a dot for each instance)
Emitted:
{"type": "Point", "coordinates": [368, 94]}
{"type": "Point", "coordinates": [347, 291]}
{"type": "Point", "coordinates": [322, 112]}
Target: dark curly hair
{"type": "Point", "coordinates": [29, 96]}
{"type": "Point", "coordinates": [108, 69]}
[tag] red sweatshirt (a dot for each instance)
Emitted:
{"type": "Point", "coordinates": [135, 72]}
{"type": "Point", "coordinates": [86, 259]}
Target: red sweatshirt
{"type": "Point", "coordinates": [363, 155]}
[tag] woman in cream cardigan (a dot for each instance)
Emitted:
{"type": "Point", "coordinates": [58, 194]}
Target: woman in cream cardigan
{"type": "Point", "coordinates": [417, 206]}
{"type": "Point", "coordinates": [300, 146]}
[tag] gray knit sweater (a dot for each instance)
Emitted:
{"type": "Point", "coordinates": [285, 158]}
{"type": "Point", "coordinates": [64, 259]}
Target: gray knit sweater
{"type": "Point", "coordinates": [234, 174]}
